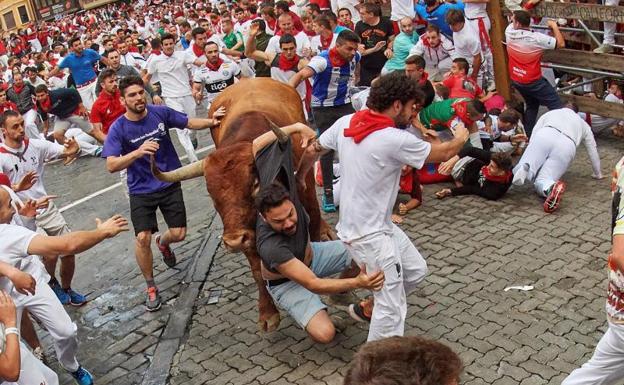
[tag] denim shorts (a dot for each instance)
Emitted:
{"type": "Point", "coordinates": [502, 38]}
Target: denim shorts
{"type": "Point", "coordinates": [328, 258]}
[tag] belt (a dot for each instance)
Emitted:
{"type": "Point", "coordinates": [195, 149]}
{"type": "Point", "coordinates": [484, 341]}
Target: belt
{"type": "Point", "coordinates": [86, 83]}
{"type": "Point", "coordinates": [276, 282]}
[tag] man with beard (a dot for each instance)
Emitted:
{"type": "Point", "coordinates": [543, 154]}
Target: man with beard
{"type": "Point", "coordinates": [214, 76]}
{"type": "Point", "coordinates": [369, 188]}
{"type": "Point", "coordinates": [22, 94]}
{"type": "Point", "coordinates": [135, 136]}
{"type": "Point", "coordinates": [283, 65]}
{"type": "Point", "coordinates": [107, 107]}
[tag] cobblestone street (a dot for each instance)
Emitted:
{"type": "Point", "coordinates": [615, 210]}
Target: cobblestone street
{"type": "Point", "coordinates": [474, 249]}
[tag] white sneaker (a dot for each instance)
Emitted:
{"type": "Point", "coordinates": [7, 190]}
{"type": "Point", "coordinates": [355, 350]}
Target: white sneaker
{"type": "Point", "coordinates": [604, 48]}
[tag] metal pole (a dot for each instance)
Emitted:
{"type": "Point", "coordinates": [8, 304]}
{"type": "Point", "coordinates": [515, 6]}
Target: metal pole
{"type": "Point", "coordinates": [572, 86]}
{"type": "Point", "coordinates": [586, 70]}
{"type": "Point", "coordinates": [588, 31]}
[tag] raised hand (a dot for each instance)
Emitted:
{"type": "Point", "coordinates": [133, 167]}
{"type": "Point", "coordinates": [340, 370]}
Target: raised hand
{"type": "Point", "coordinates": [113, 225]}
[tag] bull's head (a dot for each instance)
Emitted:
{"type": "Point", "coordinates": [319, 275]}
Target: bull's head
{"type": "Point", "coordinates": [232, 181]}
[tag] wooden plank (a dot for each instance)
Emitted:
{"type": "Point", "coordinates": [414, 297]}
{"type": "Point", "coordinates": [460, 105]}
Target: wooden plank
{"type": "Point", "coordinates": [584, 59]}
{"type": "Point", "coordinates": [582, 11]}
{"type": "Point", "coordinates": [497, 34]}
{"type": "Point", "coordinates": [596, 106]}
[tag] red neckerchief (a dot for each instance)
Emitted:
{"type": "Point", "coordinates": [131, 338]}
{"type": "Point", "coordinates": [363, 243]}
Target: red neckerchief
{"type": "Point", "coordinates": [423, 79]}
{"type": "Point", "coordinates": [197, 51]}
{"type": "Point", "coordinates": [347, 25]}
{"type": "Point", "coordinates": [505, 178]}
{"type": "Point", "coordinates": [271, 24]}
{"type": "Point", "coordinates": [214, 67]}
{"type": "Point", "coordinates": [364, 123]}
{"type": "Point", "coordinates": [46, 104]}
{"type": "Point", "coordinates": [156, 52]}
{"type": "Point", "coordinates": [309, 33]}
{"type": "Point", "coordinates": [19, 154]}
{"type": "Point", "coordinates": [288, 65]}
{"type": "Point", "coordinates": [461, 110]}
{"type": "Point", "coordinates": [17, 89]}
{"type": "Point", "coordinates": [325, 43]}
{"type": "Point", "coordinates": [335, 58]}
{"type": "Point", "coordinates": [8, 105]}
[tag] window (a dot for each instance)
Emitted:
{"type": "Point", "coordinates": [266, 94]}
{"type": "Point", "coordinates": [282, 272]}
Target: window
{"type": "Point", "coordinates": [9, 20]}
{"type": "Point", "coordinates": [23, 13]}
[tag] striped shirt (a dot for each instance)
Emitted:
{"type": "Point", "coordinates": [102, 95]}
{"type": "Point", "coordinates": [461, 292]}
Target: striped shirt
{"type": "Point", "coordinates": [331, 84]}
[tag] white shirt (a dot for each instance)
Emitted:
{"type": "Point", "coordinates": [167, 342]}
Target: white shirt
{"type": "Point", "coordinates": [566, 121]}
{"type": "Point", "coordinates": [467, 43]}
{"type": "Point", "coordinates": [369, 175]}
{"type": "Point", "coordinates": [302, 42]}
{"type": "Point", "coordinates": [434, 55]}
{"type": "Point", "coordinates": [216, 81]}
{"type": "Point", "coordinates": [33, 159]}
{"type": "Point", "coordinates": [14, 242]}
{"type": "Point", "coordinates": [315, 43]}
{"type": "Point", "coordinates": [134, 60]}
{"type": "Point", "coordinates": [172, 72]}
{"type": "Point", "coordinates": [475, 10]}
{"type": "Point", "coordinates": [401, 9]}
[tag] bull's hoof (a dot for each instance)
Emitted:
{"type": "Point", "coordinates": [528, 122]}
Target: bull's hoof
{"type": "Point", "coordinates": [269, 324]}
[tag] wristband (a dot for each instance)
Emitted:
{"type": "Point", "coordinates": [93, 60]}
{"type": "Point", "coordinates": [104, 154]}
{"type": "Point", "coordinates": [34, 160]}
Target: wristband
{"type": "Point", "coordinates": [15, 331]}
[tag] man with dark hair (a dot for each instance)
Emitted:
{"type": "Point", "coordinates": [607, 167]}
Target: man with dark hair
{"type": "Point", "coordinates": [333, 71]}
{"type": "Point", "coordinates": [415, 69]}
{"type": "Point", "coordinates": [22, 94]}
{"type": "Point", "coordinates": [262, 41]}
{"type": "Point", "coordinates": [525, 49]}
{"type": "Point", "coordinates": [66, 106]}
{"type": "Point", "coordinates": [435, 11]}
{"type": "Point", "coordinates": [376, 35]}
{"type": "Point", "coordinates": [467, 44]}
{"type": "Point", "coordinates": [296, 269]}
{"type": "Point", "coordinates": [437, 50]}
{"type": "Point", "coordinates": [143, 131]}
{"type": "Point", "coordinates": [107, 107]}
{"type": "Point", "coordinates": [460, 85]}
{"type": "Point", "coordinates": [214, 76]}
{"type": "Point", "coordinates": [450, 113]}
{"type": "Point", "coordinates": [550, 152]}
{"type": "Point", "coordinates": [282, 7]}
{"type": "Point", "coordinates": [80, 63]}
{"type": "Point", "coordinates": [369, 188]}
{"type": "Point", "coordinates": [121, 70]}
{"type": "Point", "coordinates": [404, 361]}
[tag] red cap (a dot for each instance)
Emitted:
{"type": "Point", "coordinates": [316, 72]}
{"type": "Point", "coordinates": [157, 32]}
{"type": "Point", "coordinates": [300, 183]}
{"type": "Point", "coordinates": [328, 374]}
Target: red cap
{"type": "Point", "coordinates": [4, 180]}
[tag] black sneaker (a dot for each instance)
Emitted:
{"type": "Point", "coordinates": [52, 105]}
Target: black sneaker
{"type": "Point", "coordinates": [357, 313]}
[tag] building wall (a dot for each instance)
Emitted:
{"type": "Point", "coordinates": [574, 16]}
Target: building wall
{"type": "Point", "coordinates": [15, 14]}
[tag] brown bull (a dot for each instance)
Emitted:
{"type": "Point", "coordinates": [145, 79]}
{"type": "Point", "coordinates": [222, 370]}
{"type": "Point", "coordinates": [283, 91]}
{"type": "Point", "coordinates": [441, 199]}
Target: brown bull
{"type": "Point", "coordinates": [231, 175]}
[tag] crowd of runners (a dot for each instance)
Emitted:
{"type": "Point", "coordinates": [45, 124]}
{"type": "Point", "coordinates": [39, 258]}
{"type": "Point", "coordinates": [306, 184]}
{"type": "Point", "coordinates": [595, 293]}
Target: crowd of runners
{"type": "Point", "coordinates": [396, 102]}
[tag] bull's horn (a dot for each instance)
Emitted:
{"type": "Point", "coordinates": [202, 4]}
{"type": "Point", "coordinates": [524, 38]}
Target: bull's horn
{"type": "Point", "coordinates": [281, 135]}
{"type": "Point", "coordinates": [189, 171]}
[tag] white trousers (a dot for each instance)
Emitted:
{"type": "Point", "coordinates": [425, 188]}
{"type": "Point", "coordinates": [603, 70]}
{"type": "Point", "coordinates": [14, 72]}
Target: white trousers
{"type": "Point", "coordinates": [436, 73]}
{"type": "Point", "coordinates": [609, 28]}
{"type": "Point", "coordinates": [187, 105]}
{"type": "Point", "coordinates": [545, 160]}
{"type": "Point", "coordinates": [87, 93]}
{"type": "Point", "coordinates": [88, 144]}
{"type": "Point", "coordinates": [404, 268]}
{"type": "Point", "coordinates": [36, 45]}
{"type": "Point", "coordinates": [606, 367]}
{"type": "Point", "coordinates": [487, 66]}
{"type": "Point", "coordinates": [30, 124]}
{"type": "Point", "coordinates": [46, 308]}
{"type": "Point", "coordinates": [33, 371]}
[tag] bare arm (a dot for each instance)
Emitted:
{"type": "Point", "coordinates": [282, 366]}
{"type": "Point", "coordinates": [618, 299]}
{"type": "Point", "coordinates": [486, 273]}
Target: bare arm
{"type": "Point", "coordinates": [476, 65]}
{"type": "Point", "coordinates": [105, 60]}
{"type": "Point", "coordinates": [252, 52]}
{"type": "Point", "coordinates": [200, 124]}
{"type": "Point", "coordinates": [10, 357]}
{"type": "Point", "coordinates": [269, 137]}
{"type": "Point", "coordinates": [617, 251]}
{"type": "Point", "coordinates": [441, 152]}
{"type": "Point", "coordinates": [77, 241]}
{"type": "Point", "coordinates": [558, 35]}
{"type": "Point", "coordinates": [118, 163]}
{"type": "Point", "coordinates": [300, 76]}
{"type": "Point", "coordinates": [297, 271]}
{"type": "Point", "coordinates": [54, 71]}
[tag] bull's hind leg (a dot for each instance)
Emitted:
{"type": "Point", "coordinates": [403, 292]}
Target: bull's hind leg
{"type": "Point", "coordinates": [269, 316]}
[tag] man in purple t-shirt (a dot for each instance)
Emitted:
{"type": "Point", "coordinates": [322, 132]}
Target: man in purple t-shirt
{"type": "Point", "coordinates": [141, 132]}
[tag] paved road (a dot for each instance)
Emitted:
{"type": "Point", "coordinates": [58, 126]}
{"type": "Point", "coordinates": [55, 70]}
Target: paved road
{"type": "Point", "coordinates": [474, 250]}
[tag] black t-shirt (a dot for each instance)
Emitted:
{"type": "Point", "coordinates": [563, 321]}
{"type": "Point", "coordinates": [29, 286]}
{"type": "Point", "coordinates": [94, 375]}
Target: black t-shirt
{"type": "Point", "coordinates": [429, 91]}
{"type": "Point", "coordinates": [275, 163]}
{"type": "Point", "coordinates": [370, 35]}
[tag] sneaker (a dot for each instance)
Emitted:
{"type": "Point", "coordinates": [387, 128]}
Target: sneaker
{"type": "Point", "coordinates": [82, 376]}
{"type": "Point", "coordinates": [553, 200]}
{"type": "Point", "coordinates": [168, 255]}
{"type": "Point", "coordinates": [152, 302]}
{"type": "Point", "coordinates": [328, 204]}
{"type": "Point", "coordinates": [356, 311]}
{"type": "Point", "coordinates": [195, 143]}
{"type": "Point", "coordinates": [75, 298]}
{"type": "Point", "coordinates": [60, 293]}
{"type": "Point", "coordinates": [604, 48]}
{"type": "Point", "coordinates": [38, 353]}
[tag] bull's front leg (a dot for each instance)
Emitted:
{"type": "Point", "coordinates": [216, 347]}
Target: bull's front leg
{"type": "Point", "coordinates": [269, 316]}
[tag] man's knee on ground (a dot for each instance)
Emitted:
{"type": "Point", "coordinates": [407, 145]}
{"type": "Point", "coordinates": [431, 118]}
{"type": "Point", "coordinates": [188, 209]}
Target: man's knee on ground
{"type": "Point", "coordinates": [143, 239]}
{"type": "Point", "coordinates": [177, 234]}
{"type": "Point", "coordinates": [322, 333]}
{"type": "Point", "coordinates": [59, 136]}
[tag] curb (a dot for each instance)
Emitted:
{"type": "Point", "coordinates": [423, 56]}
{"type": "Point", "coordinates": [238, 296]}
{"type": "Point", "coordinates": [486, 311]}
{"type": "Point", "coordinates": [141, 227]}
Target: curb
{"type": "Point", "coordinates": [158, 371]}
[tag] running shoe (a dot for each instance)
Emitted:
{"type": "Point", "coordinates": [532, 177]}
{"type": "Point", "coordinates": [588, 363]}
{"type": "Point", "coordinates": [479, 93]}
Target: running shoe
{"type": "Point", "coordinates": [60, 293]}
{"type": "Point", "coordinates": [152, 302]}
{"type": "Point", "coordinates": [356, 311]}
{"type": "Point", "coordinates": [38, 353]}
{"type": "Point", "coordinates": [98, 152]}
{"type": "Point", "coordinates": [75, 298]}
{"type": "Point", "coordinates": [82, 376]}
{"type": "Point", "coordinates": [195, 143]}
{"type": "Point", "coordinates": [328, 204]}
{"type": "Point", "coordinates": [168, 255]}
{"type": "Point", "coordinates": [553, 200]}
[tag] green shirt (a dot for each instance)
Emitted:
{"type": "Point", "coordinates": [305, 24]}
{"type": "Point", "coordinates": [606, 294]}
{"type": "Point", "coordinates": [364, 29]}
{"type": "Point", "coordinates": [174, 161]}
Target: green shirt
{"type": "Point", "coordinates": [438, 113]}
{"type": "Point", "coordinates": [232, 38]}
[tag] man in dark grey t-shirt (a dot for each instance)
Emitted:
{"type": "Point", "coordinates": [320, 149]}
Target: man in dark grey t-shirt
{"type": "Point", "coordinates": [295, 268]}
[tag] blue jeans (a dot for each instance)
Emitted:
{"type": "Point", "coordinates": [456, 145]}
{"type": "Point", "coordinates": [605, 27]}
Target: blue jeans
{"type": "Point", "coordinates": [536, 94]}
{"type": "Point", "coordinates": [328, 258]}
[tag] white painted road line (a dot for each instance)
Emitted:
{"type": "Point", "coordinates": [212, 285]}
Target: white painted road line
{"type": "Point", "coordinates": [118, 184]}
